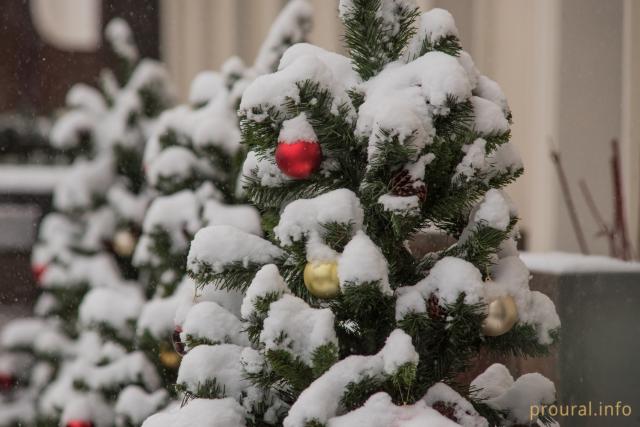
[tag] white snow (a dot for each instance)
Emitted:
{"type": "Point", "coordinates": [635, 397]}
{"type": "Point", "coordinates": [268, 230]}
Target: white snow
{"type": "Point", "coordinates": [294, 326]}
{"type": "Point", "coordinates": [489, 118]}
{"type": "Point", "coordinates": [206, 86]}
{"type": "Point", "coordinates": [464, 411]}
{"type": "Point", "coordinates": [175, 164]}
{"type": "Point", "coordinates": [219, 362]}
{"type": "Point", "coordinates": [131, 368]}
{"type": "Point", "coordinates": [434, 25]}
{"type": "Point", "coordinates": [321, 400]}
{"type": "Point", "coordinates": [134, 404]}
{"type": "Point", "coordinates": [129, 206]}
{"type": "Point", "coordinates": [117, 307]}
{"type": "Point", "coordinates": [83, 96]}
{"type": "Point", "coordinates": [303, 217]}
{"type": "Point", "coordinates": [448, 279]}
{"type": "Point", "coordinates": [243, 217]}
{"type": "Point", "coordinates": [494, 210]}
{"type": "Point", "coordinates": [67, 130]}
{"type": "Point", "coordinates": [297, 129]}
{"type": "Point", "coordinates": [379, 411]}
{"type": "Point", "coordinates": [21, 332]}
{"type": "Point", "coordinates": [362, 262]}
{"type": "Point", "coordinates": [266, 281]}
{"type": "Point", "coordinates": [300, 62]}
{"type": "Point", "coordinates": [264, 169]}
{"type": "Point", "coordinates": [490, 90]}
{"type": "Point", "coordinates": [208, 320]}
{"type": "Point", "coordinates": [569, 263]}
{"type": "Point", "coordinates": [120, 36]}
{"type": "Point", "coordinates": [502, 393]}
{"type": "Point", "coordinates": [220, 245]}
{"type": "Point", "coordinates": [402, 204]}
{"type": "Point", "coordinates": [82, 183]}
{"type": "Point", "coordinates": [202, 413]}
{"type": "Point", "coordinates": [87, 407]}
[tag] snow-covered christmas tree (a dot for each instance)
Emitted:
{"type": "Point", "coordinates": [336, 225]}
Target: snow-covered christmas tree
{"type": "Point", "coordinates": [83, 329]}
{"type": "Point", "coordinates": [341, 323]}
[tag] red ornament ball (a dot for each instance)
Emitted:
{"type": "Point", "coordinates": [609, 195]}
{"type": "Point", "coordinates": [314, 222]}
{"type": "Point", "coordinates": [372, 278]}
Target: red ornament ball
{"type": "Point", "coordinates": [298, 159]}
{"type": "Point", "coordinates": [178, 345]}
{"type": "Point", "coordinates": [7, 382]}
{"type": "Point", "coordinates": [38, 271]}
{"type": "Point", "coordinates": [79, 423]}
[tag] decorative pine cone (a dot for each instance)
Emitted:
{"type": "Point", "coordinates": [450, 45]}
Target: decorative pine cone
{"type": "Point", "coordinates": [433, 308]}
{"type": "Point", "coordinates": [403, 185]}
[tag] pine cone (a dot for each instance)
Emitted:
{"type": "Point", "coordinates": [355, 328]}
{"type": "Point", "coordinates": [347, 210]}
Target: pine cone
{"type": "Point", "coordinates": [403, 185]}
{"type": "Point", "coordinates": [433, 308]}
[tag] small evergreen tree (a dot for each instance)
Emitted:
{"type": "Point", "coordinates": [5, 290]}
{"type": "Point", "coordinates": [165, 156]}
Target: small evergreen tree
{"type": "Point", "coordinates": [342, 323]}
{"type": "Point", "coordinates": [83, 329]}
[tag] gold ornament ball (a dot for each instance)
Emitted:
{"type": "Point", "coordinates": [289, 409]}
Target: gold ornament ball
{"type": "Point", "coordinates": [169, 358]}
{"type": "Point", "coordinates": [321, 279]}
{"type": "Point", "coordinates": [124, 243]}
{"type": "Point", "coordinates": [502, 316]}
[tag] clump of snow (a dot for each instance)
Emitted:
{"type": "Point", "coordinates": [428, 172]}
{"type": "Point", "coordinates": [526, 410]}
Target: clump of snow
{"type": "Point", "coordinates": [362, 262]}
{"type": "Point", "coordinates": [117, 307]}
{"type": "Point", "coordinates": [94, 271]}
{"type": "Point", "coordinates": [21, 333]}
{"type": "Point", "coordinates": [264, 169]}
{"type": "Point", "coordinates": [174, 214]}
{"type": "Point", "coordinates": [291, 26]}
{"type": "Point", "coordinates": [294, 326]}
{"type": "Point", "coordinates": [83, 96]}
{"type": "Point", "coordinates": [206, 86]}
{"type": "Point", "coordinates": [220, 362]}
{"type": "Point", "coordinates": [489, 118]}
{"type": "Point", "coordinates": [134, 404]}
{"type": "Point", "coordinates": [433, 25]}
{"type": "Point", "coordinates": [448, 279]}
{"type": "Point", "coordinates": [208, 320]}
{"type": "Point", "coordinates": [497, 388]}
{"type": "Point", "coordinates": [474, 159]}
{"type": "Point", "coordinates": [463, 410]}
{"type": "Point", "coordinates": [175, 164]}
{"type": "Point", "coordinates": [119, 35]}
{"type": "Point", "coordinates": [220, 245]}
{"type": "Point", "coordinates": [202, 413]}
{"type": "Point", "coordinates": [404, 204]}
{"type": "Point", "coordinates": [303, 217]}
{"type": "Point", "coordinates": [494, 210]}
{"type": "Point", "coordinates": [379, 411]}
{"type": "Point", "coordinates": [299, 63]}
{"type": "Point", "coordinates": [131, 368]}
{"type": "Point", "coordinates": [490, 90]}
{"type": "Point", "coordinates": [82, 184]}
{"type": "Point", "coordinates": [297, 129]}
{"type": "Point", "coordinates": [402, 99]}
{"type": "Point", "coordinates": [266, 281]}
{"type": "Point", "coordinates": [128, 206]}
{"type": "Point", "coordinates": [321, 400]}
{"type": "Point", "coordinates": [243, 217]}
{"type": "Point", "coordinates": [69, 129]}
{"type": "Point", "coordinates": [158, 314]}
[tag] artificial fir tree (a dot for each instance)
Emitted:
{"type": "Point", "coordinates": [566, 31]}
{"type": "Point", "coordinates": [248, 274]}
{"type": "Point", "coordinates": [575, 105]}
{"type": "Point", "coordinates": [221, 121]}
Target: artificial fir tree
{"type": "Point", "coordinates": [82, 260]}
{"type": "Point", "coordinates": [341, 323]}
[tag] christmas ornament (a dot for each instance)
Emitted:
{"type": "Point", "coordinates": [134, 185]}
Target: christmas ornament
{"type": "Point", "coordinates": [38, 271]}
{"type": "Point", "coordinates": [7, 381]}
{"type": "Point", "coordinates": [298, 159]}
{"type": "Point", "coordinates": [124, 243]}
{"type": "Point", "coordinates": [178, 345]}
{"type": "Point", "coordinates": [404, 185]}
{"type": "Point", "coordinates": [321, 279]}
{"type": "Point", "coordinates": [168, 357]}
{"type": "Point", "coordinates": [79, 423]}
{"type": "Point", "coordinates": [502, 315]}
